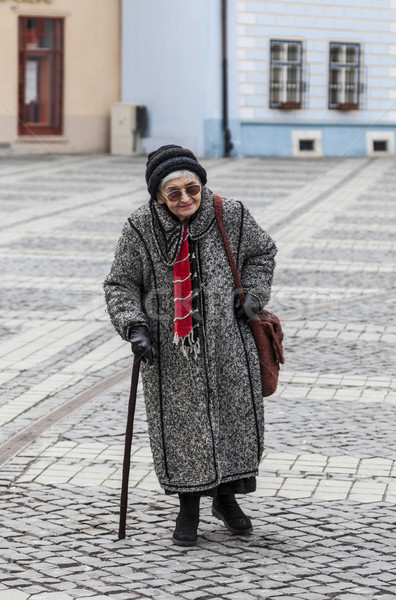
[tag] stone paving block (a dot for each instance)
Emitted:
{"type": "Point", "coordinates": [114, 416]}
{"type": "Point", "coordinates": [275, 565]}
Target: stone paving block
{"type": "Point", "coordinates": [390, 398]}
{"type": "Point", "coordinates": [188, 594]}
{"type": "Point", "coordinates": [297, 488]}
{"type": "Point", "coordinates": [269, 594]}
{"type": "Point", "coordinates": [239, 595]}
{"type": "Point", "coordinates": [276, 464]}
{"type": "Point", "coordinates": [100, 597]}
{"type": "Point", "coordinates": [332, 490]}
{"type": "Point", "coordinates": [314, 459]}
{"type": "Point", "coordinates": [351, 596]}
{"type": "Point", "coordinates": [51, 596]}
{"type": "Point", "coordinates": [375, 466]}
{"type": "Point", "coordinates": [373, 396]}
{"type": "Point", "coordinates": [367, 491]}
{"type": "Point", "coordinates": [390, 494]}
{"type": "Point", "coordinates": [11, 594]}
{"type": "Point", "coordinates": [350, 462]}
{"type": "Point", "coordinates": [348, 394]}
{"type": "Point", "coordinates": [266, 481]}
{"type": "Point", "coordinates": [321, 393]}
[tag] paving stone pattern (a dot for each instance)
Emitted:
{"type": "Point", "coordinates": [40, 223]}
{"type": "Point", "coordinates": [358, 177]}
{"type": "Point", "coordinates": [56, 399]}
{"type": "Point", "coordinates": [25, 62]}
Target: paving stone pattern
{"type": "Point", "coordinates": [324, 509]}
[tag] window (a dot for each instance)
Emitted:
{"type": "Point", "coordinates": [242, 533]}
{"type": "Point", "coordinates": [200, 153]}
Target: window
{"type": "Point", "coordinates": [40, 81]}
{"type": "Point", "coordinates": [286, 74]}
{"type": "Point", "coordinates": [344, 76]}
{"type": "Point", "coordinates": [307, 143]}
{"type": "Point", "coordinates": [380, 143]}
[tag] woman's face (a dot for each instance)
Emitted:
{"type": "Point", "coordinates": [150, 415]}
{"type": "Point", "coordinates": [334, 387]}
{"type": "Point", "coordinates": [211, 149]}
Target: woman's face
{"type": "Point", "coordinates": [186, 205]}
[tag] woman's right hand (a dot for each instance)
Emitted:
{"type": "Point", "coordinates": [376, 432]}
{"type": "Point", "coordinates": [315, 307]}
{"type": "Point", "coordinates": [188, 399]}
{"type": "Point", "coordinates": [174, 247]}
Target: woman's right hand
{"type": "Point", "coordinates": [141, 343]}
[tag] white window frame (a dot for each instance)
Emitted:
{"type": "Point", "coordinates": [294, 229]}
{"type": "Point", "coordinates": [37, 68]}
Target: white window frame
{"type": "Point", "coordinates": [342, 66]}
{"type": "Point", "coordinates": [284, 86]}
{"type": "Point", "coordinates": [314, 136]}
{"type": "Point", "coordinates": [380, 136]}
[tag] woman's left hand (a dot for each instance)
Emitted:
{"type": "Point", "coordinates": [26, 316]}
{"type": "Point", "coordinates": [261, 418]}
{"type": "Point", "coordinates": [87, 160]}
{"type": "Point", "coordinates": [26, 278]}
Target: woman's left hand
{"type": "Point", "coordinates": [249, 310]}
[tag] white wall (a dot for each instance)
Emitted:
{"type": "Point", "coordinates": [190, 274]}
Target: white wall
{"type": "Point", "coordinates": [171, 62]}
{"type": "Point", "coordinates": [372, 23]}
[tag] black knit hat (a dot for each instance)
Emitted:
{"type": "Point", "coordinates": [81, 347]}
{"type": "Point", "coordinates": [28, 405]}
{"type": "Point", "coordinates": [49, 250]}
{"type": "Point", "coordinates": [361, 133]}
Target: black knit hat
{"type": "Point", "coordinates": [167, 159]}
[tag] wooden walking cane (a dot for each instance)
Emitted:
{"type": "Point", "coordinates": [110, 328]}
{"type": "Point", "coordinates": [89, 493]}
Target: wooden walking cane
{"type": "Point", "coordinates": [127, 448]}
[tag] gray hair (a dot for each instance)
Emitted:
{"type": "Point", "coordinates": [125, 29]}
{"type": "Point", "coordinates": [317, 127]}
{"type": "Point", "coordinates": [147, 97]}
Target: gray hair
{"type": "Point", "coordinates": [175, 175]}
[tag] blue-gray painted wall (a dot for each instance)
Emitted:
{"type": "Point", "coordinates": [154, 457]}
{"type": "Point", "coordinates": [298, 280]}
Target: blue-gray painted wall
{"type": "Point", "coordinates": [275, 139]}
{"type": "Point", "coordinates": [171, 62]}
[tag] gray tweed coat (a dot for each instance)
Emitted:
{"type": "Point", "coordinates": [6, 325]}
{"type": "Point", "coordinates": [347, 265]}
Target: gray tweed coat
{"type": "Point", "coordinates": [205, 415]}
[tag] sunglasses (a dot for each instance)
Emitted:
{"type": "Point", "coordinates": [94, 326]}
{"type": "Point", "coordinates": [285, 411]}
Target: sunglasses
{"type": "Point", "coordinates": [191, 190]}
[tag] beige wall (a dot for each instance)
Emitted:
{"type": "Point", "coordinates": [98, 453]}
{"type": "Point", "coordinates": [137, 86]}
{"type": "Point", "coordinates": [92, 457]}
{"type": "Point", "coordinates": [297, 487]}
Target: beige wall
{"type": "Point", "coordinates": [92, 69]}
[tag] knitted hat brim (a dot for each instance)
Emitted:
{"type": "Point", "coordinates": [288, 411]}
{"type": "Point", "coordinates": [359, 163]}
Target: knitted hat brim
{"type": "Point", "coordinates": [168, 159]}
{"type": "Point", "coordinates": [170, 166]}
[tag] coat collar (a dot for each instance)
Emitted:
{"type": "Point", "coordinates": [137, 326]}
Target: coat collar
{"type": "Point", "coordinates": [168, 231]}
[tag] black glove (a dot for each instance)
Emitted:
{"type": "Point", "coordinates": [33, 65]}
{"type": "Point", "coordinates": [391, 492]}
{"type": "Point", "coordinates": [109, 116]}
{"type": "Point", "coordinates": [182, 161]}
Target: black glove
{"type": "Point", "coordinates": [141, 343]}
{"type": "Point", "coordinates": [249, 310]}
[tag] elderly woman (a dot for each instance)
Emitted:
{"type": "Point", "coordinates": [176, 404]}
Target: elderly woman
{"type": "Point", "coordinates": [171, 293]}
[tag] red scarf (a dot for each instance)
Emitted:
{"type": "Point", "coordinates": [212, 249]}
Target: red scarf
{"type": "Point", "coordinates": [183, 322]}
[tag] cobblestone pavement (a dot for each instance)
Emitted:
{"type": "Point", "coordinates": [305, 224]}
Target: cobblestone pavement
{"type": "Point", "coordinates": [324, 511]}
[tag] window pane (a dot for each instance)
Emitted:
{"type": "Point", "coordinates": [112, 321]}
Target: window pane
{"type": "Point", "coordinates": [38, 89]}
{"type": "Point", "coordinates": [276, 84]}
{"type": "Point", "coordinates": [336, 54]}
{"type": "Point", "coordinates": [380, 146]}
{"type": "Point", "coordinates": [31, 39]}
{"type": "Point", "coordinates": [292, 76]}
{"type": "Point", "coordinates": [47, 34]}
{"type": "Point", "coordinates": [292, 52]}
{"type": "Point", "coordinates": [351, 52]}
{"type": "Point", "coordinates": [292, 95]}
{"type": "Point", "coordinates": [350, 86]}
{"type": "Point", "coordinates": [276, 75]}
{"type": "Point", "coordinates": [59, 33]}
{"type": "Point", "coordinates": [307, 145]}
{"type": "Point", "coordinates": [40, 33]}
{"type": "Point", "coordinates": [276, 52]}
{"type": "Point", "coordinates": [335, 86]}
{"type": "Point", "coordinates": [335, 77]}
{"type": "Point", "coordinates": [350, 77]}
{"type": "Point", "coordinates": [31, 90]}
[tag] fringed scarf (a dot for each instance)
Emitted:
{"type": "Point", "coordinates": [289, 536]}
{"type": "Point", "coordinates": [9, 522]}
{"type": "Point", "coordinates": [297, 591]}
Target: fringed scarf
{"type": "Point", "coordinates": [184, 326]}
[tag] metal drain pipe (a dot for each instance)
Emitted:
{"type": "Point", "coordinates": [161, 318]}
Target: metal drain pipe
{"type": "Point", "coordinates": [228, 145]}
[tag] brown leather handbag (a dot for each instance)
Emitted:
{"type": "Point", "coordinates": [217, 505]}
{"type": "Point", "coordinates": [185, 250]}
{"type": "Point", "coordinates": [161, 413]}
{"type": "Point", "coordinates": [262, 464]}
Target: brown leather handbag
{"type": "Point", "coordinates": [265, 327]}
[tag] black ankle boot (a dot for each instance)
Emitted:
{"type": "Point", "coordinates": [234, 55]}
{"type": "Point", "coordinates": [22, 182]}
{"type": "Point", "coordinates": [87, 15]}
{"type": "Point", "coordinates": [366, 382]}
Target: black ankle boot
{"type": "Point", "coordinates": [185, 533]}
{"type": "Point", "coordinates": [227, 509]}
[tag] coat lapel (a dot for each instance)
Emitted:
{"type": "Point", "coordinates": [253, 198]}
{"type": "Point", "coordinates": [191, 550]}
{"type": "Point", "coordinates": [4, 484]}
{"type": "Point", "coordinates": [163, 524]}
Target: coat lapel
{"type": "Point", "coordinates": [205, 217]}
{"type": "Point", "coordinates": [168, 233]}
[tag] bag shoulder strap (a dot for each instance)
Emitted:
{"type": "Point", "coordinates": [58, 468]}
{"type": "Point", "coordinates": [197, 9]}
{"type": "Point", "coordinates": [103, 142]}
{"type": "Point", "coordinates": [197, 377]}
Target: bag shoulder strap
{"type": "Point", "coordinates": [218, 206]}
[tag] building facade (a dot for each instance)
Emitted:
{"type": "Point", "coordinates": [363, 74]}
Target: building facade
{"type": "Point", "coordinates": [305, 77]}
{"type": "Point", "coordinates": [171, 63]}
{"type": "Point", "coordinates": [317, 78]}
{"type": "Point", "coordinates": [59, 74]}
